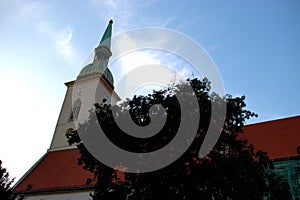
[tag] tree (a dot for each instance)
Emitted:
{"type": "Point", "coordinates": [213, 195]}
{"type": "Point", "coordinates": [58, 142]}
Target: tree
{"type": "Point", "coordinates": [5, 183]}
{"type": "Point", "coordinates": [232, 170]}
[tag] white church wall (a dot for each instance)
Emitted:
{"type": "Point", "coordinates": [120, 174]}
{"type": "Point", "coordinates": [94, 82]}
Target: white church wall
{"type": "Point", "coordinates": [62, 196]}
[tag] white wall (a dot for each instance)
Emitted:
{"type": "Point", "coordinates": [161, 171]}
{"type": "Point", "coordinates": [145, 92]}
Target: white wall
{"type": "Point", "coordinates": [62, 196]}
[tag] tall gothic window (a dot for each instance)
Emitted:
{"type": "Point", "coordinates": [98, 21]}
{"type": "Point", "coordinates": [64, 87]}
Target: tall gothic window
{"type": "Point", "coordinates": [75, 110]}
{"type": "Point", "coordinates": [106, 99]}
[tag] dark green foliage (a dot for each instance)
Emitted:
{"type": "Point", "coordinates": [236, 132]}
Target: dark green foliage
{"type": "Point", "coordinates": [232, 170]}
{"type": "Point", "coordinates": [5, 183]}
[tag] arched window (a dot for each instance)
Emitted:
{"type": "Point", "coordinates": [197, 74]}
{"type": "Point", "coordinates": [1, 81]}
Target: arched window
{"type": "Point", "coordinates": [105, 99]}
{"type": "Point", "coordinates": [75, 110]}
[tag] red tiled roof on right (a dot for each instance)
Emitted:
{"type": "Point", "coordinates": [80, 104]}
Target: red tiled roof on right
{"type": "Point", "coordinates": [279, 138]}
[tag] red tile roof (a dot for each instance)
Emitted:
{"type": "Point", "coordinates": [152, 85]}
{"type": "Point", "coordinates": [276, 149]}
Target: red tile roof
{"type": "Point", "coordinates": [57, 170]}
{"type": "Point", "coordinates": [279, 138]}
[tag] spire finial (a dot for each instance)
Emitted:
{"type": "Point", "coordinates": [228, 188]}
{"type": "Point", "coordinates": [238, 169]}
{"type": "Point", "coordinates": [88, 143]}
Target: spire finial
{"type": "Point", "coordinates": [111, 21]}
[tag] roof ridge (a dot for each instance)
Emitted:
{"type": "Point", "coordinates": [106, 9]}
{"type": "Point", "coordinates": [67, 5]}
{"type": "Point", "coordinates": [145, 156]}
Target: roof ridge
{"type": "Point", "coordinates": [274, 120]}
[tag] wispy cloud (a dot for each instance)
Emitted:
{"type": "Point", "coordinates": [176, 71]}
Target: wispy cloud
{"type": "Point", "coordinates": [168, 21]}
{"type": "Point", "coordinates": [64, 43]}
{"type": "Point", "coordinates": [62, 38]}
{"type": "Point", "coordinates": [37, 14]}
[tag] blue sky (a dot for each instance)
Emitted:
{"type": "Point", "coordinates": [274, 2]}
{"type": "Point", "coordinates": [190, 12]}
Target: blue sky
{"type": "Point", "coordinates": [255, 45]}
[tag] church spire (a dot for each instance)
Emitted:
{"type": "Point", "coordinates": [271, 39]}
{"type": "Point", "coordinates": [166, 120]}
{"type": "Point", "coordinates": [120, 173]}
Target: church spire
{"type": "Point", "coordinates": [101, 57]}
{"type": "Point", "coordinates": [106, 38]}
{"type": "Point", "coordinates": [103, 52]}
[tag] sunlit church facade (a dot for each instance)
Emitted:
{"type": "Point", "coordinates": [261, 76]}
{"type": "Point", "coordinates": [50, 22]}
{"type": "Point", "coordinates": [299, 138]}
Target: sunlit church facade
{"type": "Point", "coordinates": [56, 175]}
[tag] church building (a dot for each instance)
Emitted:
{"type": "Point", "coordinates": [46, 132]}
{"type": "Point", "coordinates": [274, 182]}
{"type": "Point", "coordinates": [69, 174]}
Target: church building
{"type": "Point", "coordinates": [56, 174]}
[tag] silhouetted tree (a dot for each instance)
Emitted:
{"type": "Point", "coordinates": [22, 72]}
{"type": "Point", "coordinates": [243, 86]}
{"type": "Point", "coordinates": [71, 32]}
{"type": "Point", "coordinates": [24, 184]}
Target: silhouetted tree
{"type": "Point", "coordinates": [232, 170]}
{"type": "Point", "coordinates": [5, 183]}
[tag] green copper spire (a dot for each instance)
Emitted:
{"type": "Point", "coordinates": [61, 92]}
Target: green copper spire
{"type": "Point", "coordinates": [101, 58]}
{"type": "Point", "coordinates": [106, 38]}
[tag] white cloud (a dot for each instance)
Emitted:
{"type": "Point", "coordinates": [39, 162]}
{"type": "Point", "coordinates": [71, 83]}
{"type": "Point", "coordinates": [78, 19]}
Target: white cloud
{"type": "Point", "coordinates": [62, 39]}
{"type": "Point", "coordinates": [36, 14]}
{"type": "Point", "coordinates": [137, 59]}
{"type": "Point", "coordinates": [129, 55]}
{"type": "Point", "coordinates": [64, 42]}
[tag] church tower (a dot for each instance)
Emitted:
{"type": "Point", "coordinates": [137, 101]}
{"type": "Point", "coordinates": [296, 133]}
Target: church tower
{"type": "Point", "coordinates": [96, 72]}
{"type": "Point", "coordinates": [56, 175]}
